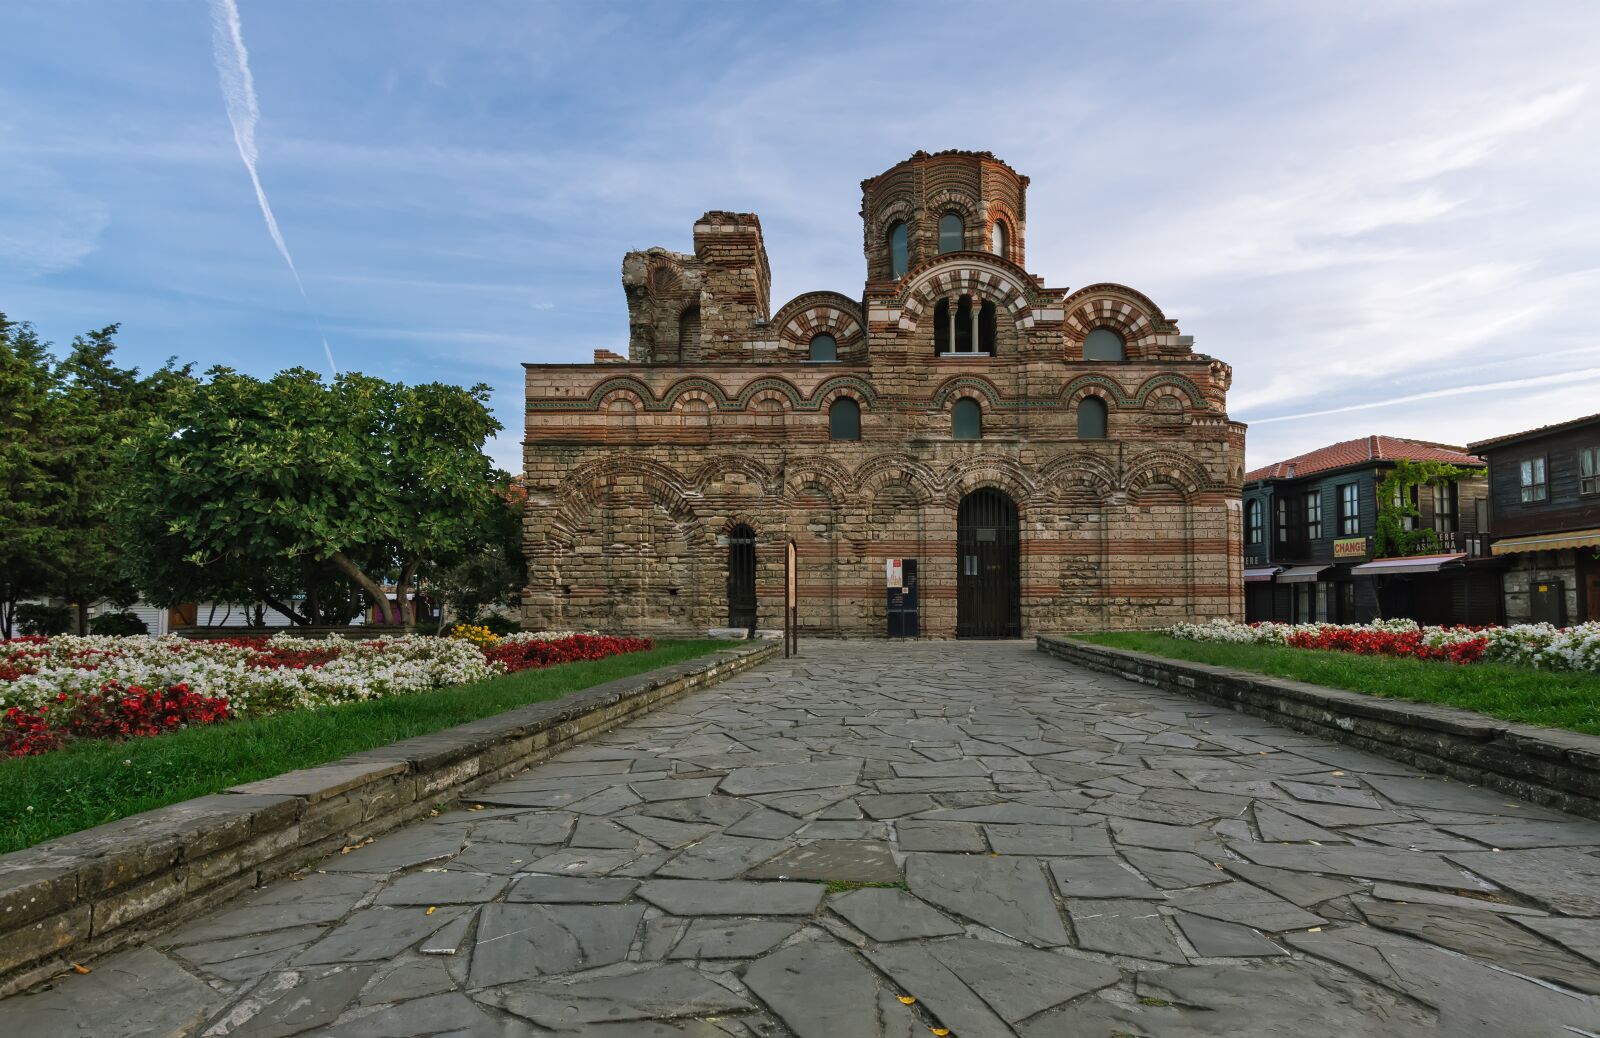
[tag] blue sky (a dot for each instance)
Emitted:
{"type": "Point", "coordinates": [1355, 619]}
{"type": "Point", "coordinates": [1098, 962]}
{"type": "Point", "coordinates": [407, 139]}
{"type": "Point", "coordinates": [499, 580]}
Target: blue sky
{"type": "Point", "coordinates": [1351, 203]}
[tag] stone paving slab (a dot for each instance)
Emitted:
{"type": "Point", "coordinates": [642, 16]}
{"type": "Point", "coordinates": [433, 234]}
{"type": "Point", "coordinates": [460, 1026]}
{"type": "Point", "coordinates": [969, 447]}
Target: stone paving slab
{"type": "Point", "coordinates": [880, 839]}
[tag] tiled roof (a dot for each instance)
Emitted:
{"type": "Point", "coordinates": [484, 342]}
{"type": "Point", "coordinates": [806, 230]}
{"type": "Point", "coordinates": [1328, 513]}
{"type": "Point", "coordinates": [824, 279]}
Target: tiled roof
{"type": "Point", "coordinates": [1494, 441]}
{"type": "Point", "coordinates": [1358, 452]}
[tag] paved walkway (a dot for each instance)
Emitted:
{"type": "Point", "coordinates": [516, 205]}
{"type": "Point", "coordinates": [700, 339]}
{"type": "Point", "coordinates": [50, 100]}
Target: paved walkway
{"type": "Point", "coordinates": [1008, 843]}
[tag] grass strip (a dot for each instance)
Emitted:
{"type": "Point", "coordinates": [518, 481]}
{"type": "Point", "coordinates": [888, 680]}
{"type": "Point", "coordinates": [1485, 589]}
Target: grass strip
{"type": "Point", "coordinates": [1551, 699]}
{"type": "Point", "coordinates": [97, 782]}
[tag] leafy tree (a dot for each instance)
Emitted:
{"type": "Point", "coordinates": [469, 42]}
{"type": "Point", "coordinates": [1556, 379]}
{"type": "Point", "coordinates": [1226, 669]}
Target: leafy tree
{"type": "Point", "coordinates": [265, 485]}
{"type": "Point", "coordinates": [32, 490]}
{"type": "Point", "coordinates": [494, 574]}
{"type": "Point", "coordinates": [60, 427]}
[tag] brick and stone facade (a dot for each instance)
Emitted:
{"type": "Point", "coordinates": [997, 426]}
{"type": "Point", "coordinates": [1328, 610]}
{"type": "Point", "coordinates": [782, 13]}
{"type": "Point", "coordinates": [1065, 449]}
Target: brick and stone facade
{"type": "Point", "coordinates": [638, 469]}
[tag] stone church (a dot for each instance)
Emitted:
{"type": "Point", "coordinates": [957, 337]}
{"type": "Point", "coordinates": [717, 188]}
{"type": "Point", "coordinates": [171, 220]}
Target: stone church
{"type": "Point", "coordinates": [1043, 459]}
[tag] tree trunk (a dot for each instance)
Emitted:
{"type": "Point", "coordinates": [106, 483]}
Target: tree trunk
{"type": "Point", "coordinates": [386, 612]}
{"type": "Point", "coordinates": [408, 614]}
{"type": "Point", "coordinates": [8, 612]}
{"type": "Point", "coordinates": [280, 607]}
{"type": "Point", "coordinates": [308, 574]}
{"type": "Point", "coordinates": [83, 619]}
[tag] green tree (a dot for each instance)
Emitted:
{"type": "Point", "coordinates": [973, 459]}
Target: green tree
{"type": "Point", "coordinates": [32, 487]}
{"type": "Point", "coordinates": [495, 573]}
{"type": "Point", "coordinates": [62, 422]}
{"type": "Point", "coordinates": [285, 482]}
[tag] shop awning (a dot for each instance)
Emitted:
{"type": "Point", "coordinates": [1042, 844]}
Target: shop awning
{"type": "Point", "coordinates": [1300, 574]}
{"type": "Point", "coordinates": [1259, 574]}
{"type": "Point", "coordinates": [1547, 542]}
{"type": "Point", "coordinates": [1413, 564]}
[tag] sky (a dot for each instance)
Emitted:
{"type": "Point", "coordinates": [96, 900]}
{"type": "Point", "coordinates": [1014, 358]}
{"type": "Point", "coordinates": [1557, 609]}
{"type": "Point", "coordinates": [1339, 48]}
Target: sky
{"type": "Point", "coordinates": [1382, 213]}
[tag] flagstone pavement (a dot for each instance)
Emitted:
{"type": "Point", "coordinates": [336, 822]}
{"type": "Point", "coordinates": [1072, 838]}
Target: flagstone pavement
{"type": "Point", "coordinates": [879, 839]}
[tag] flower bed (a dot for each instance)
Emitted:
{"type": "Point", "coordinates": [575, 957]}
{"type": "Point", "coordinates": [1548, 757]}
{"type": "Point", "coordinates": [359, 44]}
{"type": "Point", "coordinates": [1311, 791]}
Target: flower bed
{"type": "Point", "coordinates": [1540, 646]}
{"type": "Point", "coordinates": [54, 690]}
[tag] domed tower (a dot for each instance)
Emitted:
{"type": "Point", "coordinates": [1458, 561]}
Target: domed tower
{"type": "Point", "coordinates": [949, 201]}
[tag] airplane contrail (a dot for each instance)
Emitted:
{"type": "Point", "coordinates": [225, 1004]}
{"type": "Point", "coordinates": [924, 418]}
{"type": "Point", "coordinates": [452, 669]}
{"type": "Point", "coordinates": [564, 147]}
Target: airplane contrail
{"type": "Point", "coordinates": [1559, 378]}
{"type": "Point", "coordinates": [239, 94]}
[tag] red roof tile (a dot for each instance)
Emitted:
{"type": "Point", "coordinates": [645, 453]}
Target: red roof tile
{"type": "Point", "coordinates": [1357, 452]}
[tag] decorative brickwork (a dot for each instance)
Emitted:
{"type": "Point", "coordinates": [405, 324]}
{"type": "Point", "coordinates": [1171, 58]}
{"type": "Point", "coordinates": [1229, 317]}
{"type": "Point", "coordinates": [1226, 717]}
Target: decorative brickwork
{"type": "Point", "coordinates": [638, 471]}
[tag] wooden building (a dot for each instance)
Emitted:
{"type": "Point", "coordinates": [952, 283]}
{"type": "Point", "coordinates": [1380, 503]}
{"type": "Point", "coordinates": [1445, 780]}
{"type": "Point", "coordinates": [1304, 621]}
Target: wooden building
{"type": "Point", "coordinates": [1544, 509]}
{"type": "Point", "coordinates": [1310, 524]}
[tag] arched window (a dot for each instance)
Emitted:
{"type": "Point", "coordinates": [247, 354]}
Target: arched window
{"type": "Point", "coordinates": [1091, 418]}
{"type": "Point", "coordinates": [952, 233]}
{"type": "Point", "coordinates": [824, 347]}
{"type": "Point", "coordinates": [899, 250]}
{"type": "Point", "coordinates": [1104, 344]}
{"type": "Point", "coordinates": [844, 420]}
{"type": "Point", "coordinates": [1000, 239]}
{"type": "Point", "coordinates": [1253, 527]}
{"type": "Point", "coordinates": [966, 327]}
{"type": "Point", "coordinates": [689, 334]}
{"type": "Point", "coordinates": [966, 420]}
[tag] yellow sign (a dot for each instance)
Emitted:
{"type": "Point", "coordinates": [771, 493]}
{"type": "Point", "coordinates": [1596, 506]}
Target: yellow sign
{"type": "Point", "coordinates": [1350, 548]}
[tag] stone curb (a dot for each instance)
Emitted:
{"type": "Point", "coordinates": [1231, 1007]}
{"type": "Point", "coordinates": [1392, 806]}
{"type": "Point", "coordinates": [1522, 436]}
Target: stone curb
{"type": "Point", "coordinates": [80, 896]}
{"type": "Point", "coordinates": [1549, 766]}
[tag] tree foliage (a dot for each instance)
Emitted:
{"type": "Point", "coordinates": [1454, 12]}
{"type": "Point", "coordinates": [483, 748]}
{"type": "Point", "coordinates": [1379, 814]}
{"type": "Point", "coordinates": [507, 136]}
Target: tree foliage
{"type": "Point", "coordinates": [1395, 506]}
{"type": "Point", "coordinates": [265, 486]}
{"type": "Point", "coordinates": [61, 423]}
{"type": "Point", "coordinates": [493, 574]}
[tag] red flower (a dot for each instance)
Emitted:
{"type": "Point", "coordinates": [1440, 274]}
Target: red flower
{"type": "Point", "coordinates": [515, 655]}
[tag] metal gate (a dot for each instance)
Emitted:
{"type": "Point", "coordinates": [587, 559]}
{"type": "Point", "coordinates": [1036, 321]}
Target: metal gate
{"type": "Point", "coordinates": [988, 577]}
{"type": "Point", "coordinates": [742, 578]}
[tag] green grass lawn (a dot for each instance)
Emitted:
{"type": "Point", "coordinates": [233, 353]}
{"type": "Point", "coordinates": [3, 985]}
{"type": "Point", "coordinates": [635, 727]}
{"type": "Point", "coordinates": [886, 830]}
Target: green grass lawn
{"type": "Point", "coordinates": [95, 782]}
{"type": "Point", "coordinates": [1554, 699]}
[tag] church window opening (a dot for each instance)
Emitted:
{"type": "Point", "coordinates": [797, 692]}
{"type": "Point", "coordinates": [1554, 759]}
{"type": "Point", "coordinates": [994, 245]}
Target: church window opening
{"type": "Point", "coordinates": [1104, 344]}
{"type": "Point", "coordinates": [1091, 418]}
{"type": "Point", "coordinates": [899, 250]}
{"type": "Point", "coordinates": [966, 420]}
{"type": "Point", "coordinates": [965, 325]}
{"type": "Point", "coordinates": [952, 233]}
{"type": "Point", "coordinates": [844, 420]}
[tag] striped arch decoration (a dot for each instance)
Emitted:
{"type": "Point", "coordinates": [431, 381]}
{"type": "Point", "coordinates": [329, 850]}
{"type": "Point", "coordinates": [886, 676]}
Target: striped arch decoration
{"type": "Point", "coordinates": [1129, 313]}
{"type": "Point", "coordinates": [988, 279]}
{"type": "Point", "coordinates": [817, 312]}
{"type": "Point", "coordinates": [1079, 468]}
{"type": "Point", "coordinates": [713, 469]}
{"type": "Point", "coordinates": [1008, 474]}
{"type": "Point", "coordinates": [1160, 466]}
{"type": "Point", "coordinates": [953, 387]}
{"type": "Point", "coordinates": [899, 468]}
{"type": "Point", "coordinates": [1188, 388]}
{"type": "Point", "coordinates": [1112, 390]}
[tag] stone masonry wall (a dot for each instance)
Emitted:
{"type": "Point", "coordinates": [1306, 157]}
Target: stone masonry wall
{"type": "Point", "coordinates": [638, 471]}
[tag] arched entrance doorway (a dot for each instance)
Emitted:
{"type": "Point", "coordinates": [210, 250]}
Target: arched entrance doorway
{"type": "Point", "coordinates": [988, 569]}
{"type": "Point", "coordinates": [742, 578]}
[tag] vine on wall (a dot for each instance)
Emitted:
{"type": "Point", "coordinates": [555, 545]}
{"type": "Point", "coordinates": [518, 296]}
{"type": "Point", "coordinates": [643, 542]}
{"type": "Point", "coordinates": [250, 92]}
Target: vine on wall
{"type": "Point", "coordinates": [1395, 506]}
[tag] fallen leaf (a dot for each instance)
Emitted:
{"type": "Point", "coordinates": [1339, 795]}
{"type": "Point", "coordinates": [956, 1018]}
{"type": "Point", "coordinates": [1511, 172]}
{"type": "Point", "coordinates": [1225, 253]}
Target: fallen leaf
{"type": "Point", "coordinates": [940, 1031]}
{"type": "Point", "coordinates": [430, 909]}
{"type": "Point", "coordinates": [906, 999]}
{"type": "Point", "coordinates": [81, 969]}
